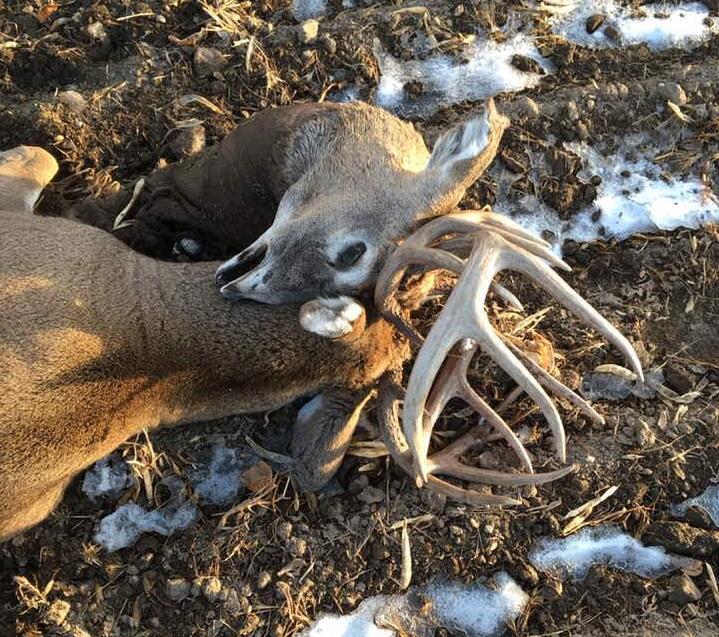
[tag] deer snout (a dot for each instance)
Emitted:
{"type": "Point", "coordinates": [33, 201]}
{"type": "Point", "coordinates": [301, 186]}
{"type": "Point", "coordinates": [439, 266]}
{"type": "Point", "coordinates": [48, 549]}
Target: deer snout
{"type": "Point", "coordinates": [241, 264]}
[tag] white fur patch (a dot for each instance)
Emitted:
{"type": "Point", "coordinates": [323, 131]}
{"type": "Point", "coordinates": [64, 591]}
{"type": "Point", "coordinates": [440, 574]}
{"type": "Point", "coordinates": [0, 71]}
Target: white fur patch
{"type": "Point", "coordinates": [332, 317]}
{"type": "Point", "coordinates": [475, 136]}
{"type": "Point", "coordinates": [355, 277]}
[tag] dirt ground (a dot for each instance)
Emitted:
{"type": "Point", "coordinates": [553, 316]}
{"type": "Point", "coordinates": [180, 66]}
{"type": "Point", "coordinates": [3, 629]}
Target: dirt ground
{"type": "Point", "coordinates": [279, 558]}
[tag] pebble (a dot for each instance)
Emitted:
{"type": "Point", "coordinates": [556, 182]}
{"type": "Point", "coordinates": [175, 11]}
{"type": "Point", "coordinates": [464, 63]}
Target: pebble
{"type": "Point", "coordinates": [177, 589]}
{"type": "Point", "coordinates": [297, 547]}
{"type": "Point", "coordinates": [643, 433]}
{"type": "Point", "coordinates": [208, 60]}
{"type": "Point", "coordinates": [211, 588]}
{"type": "Point", "coordinates": [670, 91]}
{"type": "Point", "coordinates": [73, 100]}
{"type": "Point", "coordinates": [308, 30]}
{"type": "Point", "coordinates": [263, 580]}
{"type": "Point", "coordinates": [594, 22]}
{"type": "Point", "coordinates": [683, 590]}
{"type": "Point", "coordinates": [527, 107]}
{"type": "Point", "coordinates": [284, 531]}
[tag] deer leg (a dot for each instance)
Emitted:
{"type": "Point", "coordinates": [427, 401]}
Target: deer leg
{"type": "Point", "coordinates": [14, 521]}
{"type": "Point", "coordinates": [322, 432]}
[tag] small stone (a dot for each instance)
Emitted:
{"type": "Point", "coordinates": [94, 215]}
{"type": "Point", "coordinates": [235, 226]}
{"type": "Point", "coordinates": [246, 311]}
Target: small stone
{"type": "Point", "coordinates": [672, 92]}
{"type": "Point", "coordinates": [594, 22]}
{"type": "Point", "coordinates": [297, 547]}
{"type": "Point", "coordinates": [488, 460]}
{"type": "Point", "coordinates": [73, 100]}
{"type": "Point", "coordinates": [527, 107]}
{"type": "Point", "coordinates": [211, 588]}
{"type": "Point", "coordinates": [258, 476]}
{"type": "Point", "coordinates": [177, 589]}
{"type": "Point", "coordinates": [57, 613]}
{"type": "Point", "coordinates": [527, 64]}
{"type": "Point", "coordinates": [572, 111]}
{"type": "Point", "coordinates": [284, 531]}
{"type": "Point", "coordinates": [208, 60]}
{"type": "Point", "coordinates": [264, 579]}
{"type": "Point", "coordinates": [308, 30]}
{"type": "Point", "coordinates": [613, 33]}
{"type": "Point", "coordinates": [683, 590]}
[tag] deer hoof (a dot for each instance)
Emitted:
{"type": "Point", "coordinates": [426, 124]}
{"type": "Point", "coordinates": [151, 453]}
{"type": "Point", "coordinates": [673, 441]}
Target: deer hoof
{"type": "Point", "coordinates": [330, 317]}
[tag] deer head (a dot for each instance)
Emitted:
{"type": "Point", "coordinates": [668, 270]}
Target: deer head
{"type": "Point", "coordinates": [329, 241]}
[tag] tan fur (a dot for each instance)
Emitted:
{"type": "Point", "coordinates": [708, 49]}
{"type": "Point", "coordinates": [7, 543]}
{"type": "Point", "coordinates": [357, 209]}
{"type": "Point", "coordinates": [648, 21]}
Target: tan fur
{"type": "Point", "coordinates": [97, 342]}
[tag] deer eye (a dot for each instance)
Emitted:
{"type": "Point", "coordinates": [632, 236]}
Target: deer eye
{"type": "Point", "coordinates": [350, 255]}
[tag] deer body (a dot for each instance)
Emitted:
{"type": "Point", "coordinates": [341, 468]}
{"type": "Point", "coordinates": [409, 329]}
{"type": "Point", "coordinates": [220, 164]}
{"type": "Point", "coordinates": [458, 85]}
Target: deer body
{"type": "Point", "coordinates": [99, 341]}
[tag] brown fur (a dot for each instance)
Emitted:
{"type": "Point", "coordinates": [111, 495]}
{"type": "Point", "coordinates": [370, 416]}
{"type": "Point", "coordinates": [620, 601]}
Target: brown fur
{"type": "Point", "coordinates": [97, 342]}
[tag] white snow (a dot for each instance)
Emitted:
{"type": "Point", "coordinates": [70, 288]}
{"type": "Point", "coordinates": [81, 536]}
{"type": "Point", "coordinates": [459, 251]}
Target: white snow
{"type": "Point", "coordinates": [660, 25]}
{"type": "Point", "coordinates": [634, 196]}
{"type": "Point", "coordinates": [306, 9]}
{"type": "Point", "coordinates": [474, 610]}
{"type": "Point", "coordinates": [127, 523]}
{"type": "Point", "coordinates": [573, 556]}
{"type": "Point", "coordinates": [220, 481]}
{"type": "Point", "coordinates": [124, 527]}
{"type": "Point", "coordinates": [108, 477]}
{"type": "Point", "coordinates": [488, 71]}
{"type": "Point", "coordinates": [709, 501]}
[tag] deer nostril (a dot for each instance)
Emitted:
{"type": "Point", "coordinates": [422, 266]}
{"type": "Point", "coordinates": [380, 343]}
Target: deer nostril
{"type": "Point", "coordinates": [240, 265]}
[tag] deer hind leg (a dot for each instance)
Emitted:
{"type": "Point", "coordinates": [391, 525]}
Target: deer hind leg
{"type": "Point", "coordinates": [24, 172]}
{"type": "Point", "coordinates": [322, 432]}
{"type": "Point", "coordinates": [16, 520]}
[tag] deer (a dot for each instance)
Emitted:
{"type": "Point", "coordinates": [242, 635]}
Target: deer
{"type": "Point", "coordinates": [157, 371]}
{"type": "Point", "coordinates": [100, 341]}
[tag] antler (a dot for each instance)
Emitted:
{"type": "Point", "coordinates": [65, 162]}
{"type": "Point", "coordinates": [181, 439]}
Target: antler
{"type": "Point", "coordinates": [494, 243]}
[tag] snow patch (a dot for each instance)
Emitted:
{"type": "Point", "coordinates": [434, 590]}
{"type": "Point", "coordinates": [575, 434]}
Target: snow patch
{"type": "Point", "coordinates": [108, 478]}
{"type": "Point", "coordinates": [659, 25]}
{"type": "Point", "coordinates": [487, 70]}
{"type": "Point", "coordinates": [708, 501]}
{"type": "Point", "coordinates": [306, 9]}
{"type": "Point", "coordinates": [124, 527]}
{"type": "Point", "coordinates": [220, 481]}
{"type": "Point", "coordinates": [634, 196]}
{"type": "Point", "coordinates": [474, 610]}
{"type": "Point", "coordinates": [573, 556]}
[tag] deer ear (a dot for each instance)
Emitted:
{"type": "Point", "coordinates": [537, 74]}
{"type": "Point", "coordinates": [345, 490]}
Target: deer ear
{"type": "Point", "coordinates": [458, 158]}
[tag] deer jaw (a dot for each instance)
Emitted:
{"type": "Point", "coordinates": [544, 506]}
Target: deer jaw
{"type": "Point", "coordinates": [335, 228]}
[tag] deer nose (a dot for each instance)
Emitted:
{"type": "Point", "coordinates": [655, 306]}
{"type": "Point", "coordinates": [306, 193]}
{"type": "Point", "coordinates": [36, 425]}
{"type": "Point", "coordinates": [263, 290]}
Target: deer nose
{"type": "Point", "coordinates": [240, 264]}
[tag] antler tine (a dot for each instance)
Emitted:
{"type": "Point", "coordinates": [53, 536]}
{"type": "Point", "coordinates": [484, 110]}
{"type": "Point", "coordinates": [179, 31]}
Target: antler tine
{"type": "Point", "coordinates": [388, 397]}
{"type": "Point", "coordinates": [546, 278]}
{"type": "Point", "coordinates": [452, 383]}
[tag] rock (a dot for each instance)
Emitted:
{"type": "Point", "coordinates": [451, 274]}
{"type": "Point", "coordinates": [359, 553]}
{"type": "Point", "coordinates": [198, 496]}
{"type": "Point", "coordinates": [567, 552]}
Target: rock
{"type": "Point", "coordinates": [488, 460]}
{"type": "Point", "coordinates": [572, 111]}
{"type": "Point", "coordinates": [258, 476]}
{"type": "Point", "coordinates": [527, 64]}
{"type": "Point", "coordinates": [73, 100]}
{"type": "Point", "coordinates": [680, 538]}
{"type": "Point", "coordinates": [297, 547]}
{"type": "Point", "coordinates": [683, 590]}
{"type": "Point", "coordinates": [308, 30]}
{"type": "Point", "coordinates": [613, 34]}
{"type": "Point", "coordinates": [284, 531]}
{"type": "Point", "coordinates": [594, 22]}
{"type": "Point", "coordinates": [211, 588]}
{"type": "Point", "coordinates": [57, 613]}
{"type": "Point", "coordinates": [264, 579]}
{"type": "Point", "coordinates": [177, 589]}
{"type": "Point", "coordinates": [670, 91]}
{"type": "Point", "coordinates": [208, 60]}
{"type": "Point", "coordinates": [643, 433]}
{"type": "Point", "coordinates": [527, 107]}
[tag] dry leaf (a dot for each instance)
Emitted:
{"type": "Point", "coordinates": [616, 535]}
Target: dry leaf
{"type": "Point", "coordinates": [43, 15]}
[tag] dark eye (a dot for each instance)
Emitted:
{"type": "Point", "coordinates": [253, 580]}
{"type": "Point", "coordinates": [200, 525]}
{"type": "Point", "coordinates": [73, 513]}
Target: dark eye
{"type": "Point", "coordinates": [350, 255]}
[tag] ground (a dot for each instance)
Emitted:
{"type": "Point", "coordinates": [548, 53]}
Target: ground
{"type": "Point", "coordinates": [279, 558]}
